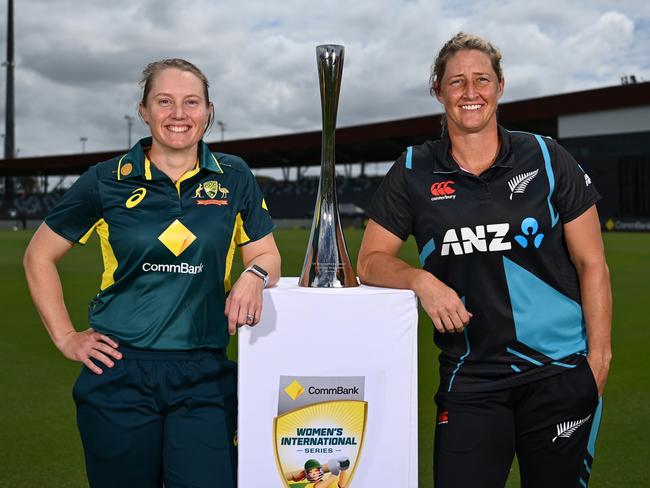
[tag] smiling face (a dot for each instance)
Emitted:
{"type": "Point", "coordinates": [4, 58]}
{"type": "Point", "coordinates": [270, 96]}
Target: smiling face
{"type": "Point", "coordinates": [470, 91]}
{"type": "Point", "coordinates": [176, 110]}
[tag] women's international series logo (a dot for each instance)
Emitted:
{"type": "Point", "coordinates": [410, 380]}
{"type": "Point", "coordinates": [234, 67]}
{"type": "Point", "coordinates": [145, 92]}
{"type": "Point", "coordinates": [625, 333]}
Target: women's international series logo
{"type": "Point", "coordinates": [319, 430]}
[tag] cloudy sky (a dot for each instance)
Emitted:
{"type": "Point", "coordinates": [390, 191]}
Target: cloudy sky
{"type": "Point", "coordinates": [78, 62]}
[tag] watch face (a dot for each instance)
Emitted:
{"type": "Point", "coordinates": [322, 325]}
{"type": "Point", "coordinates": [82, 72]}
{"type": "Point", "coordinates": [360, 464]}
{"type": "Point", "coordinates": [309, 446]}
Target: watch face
{"type": "Point", "coordinates": [259, 270]}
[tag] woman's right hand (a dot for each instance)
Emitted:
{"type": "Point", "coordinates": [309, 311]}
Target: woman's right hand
{"type": "Point", "coordinates": [81, 346]}
{"type": "Point", "coordinates": [442, 304]}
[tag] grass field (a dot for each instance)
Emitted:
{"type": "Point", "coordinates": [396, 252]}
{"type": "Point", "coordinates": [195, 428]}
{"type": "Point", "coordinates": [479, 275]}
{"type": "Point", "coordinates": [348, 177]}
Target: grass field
{"type": "Point", "coordinates": [39, 444]}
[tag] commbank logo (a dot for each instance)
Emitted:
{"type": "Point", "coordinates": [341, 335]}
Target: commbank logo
{"type": "Point", "coordinates": [294, 390]}
{"type": "Point", "coordinates": [337, 390]}
{"type": "Point", "coordinates": [482, 238]}
{"type": "Point", "coordinates": [177, 238]}
{"type": "Point", "coordinates": [442, 190]}
{"type": "Point", "coordinates": [180, 268]}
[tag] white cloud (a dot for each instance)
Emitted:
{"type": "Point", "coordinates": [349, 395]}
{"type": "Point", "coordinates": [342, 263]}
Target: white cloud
{"type": "Point", "coordinates": [78, 64]}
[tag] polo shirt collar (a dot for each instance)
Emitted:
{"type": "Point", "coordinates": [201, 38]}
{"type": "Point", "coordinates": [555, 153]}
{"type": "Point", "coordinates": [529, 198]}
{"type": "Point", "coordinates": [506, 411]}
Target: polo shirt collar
{"type": "Point", "coordinates": [135, 163]}
{"type": "Point", "coordinates": [444, 163]}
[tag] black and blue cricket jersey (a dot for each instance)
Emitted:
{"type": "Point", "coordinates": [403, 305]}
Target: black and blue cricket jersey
{"type": "Point", "coordinates": [167, 247]}
{"type": "Point", "coordinates": [497, 239]}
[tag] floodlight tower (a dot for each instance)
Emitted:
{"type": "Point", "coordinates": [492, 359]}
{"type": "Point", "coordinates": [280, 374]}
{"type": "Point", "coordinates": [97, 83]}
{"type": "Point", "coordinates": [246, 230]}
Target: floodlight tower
{"type": "Point", "coordinates": [129, 127]}
{"type": "Point", "coordinates": [222, 126]}
{"type": "Point", "coordinates": [10, 143]}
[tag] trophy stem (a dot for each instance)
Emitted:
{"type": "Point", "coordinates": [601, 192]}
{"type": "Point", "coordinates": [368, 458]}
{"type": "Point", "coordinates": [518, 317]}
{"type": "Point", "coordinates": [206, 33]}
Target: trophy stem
{"type": "Point", "coordinates": [327, 263]}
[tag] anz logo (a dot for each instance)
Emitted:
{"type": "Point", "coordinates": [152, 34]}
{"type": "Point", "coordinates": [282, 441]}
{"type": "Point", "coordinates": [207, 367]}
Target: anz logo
{"type": "Point", "coordinates": [489, 238]}
{"type": "Point", "coordinates": [483, 238]}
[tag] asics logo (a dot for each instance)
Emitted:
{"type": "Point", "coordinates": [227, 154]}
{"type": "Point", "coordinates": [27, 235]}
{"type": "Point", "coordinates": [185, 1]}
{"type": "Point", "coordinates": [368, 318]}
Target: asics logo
{"type": "Point", "coordinates": [137, 195]}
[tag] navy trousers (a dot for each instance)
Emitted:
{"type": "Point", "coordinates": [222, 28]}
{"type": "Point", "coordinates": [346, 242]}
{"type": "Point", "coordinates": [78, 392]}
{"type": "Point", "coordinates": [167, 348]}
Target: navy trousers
{"type": "Point", "coordinates": [160, 417]}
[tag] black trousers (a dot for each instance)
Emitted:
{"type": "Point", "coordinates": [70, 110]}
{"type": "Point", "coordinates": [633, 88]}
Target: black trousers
{"type": "Point", "coordinates": [550, 424]}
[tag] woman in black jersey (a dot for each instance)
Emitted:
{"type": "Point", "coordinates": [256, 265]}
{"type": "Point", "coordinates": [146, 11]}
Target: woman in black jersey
{"type": "Point", "coordinates": [514, 279]}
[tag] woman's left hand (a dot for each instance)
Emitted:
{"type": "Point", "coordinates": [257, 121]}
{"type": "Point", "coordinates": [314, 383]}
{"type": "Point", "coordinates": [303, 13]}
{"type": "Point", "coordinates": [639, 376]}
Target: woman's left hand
{"type": "Point", "coordinates": [244, 303]}
{"type": "Point", "coordinates": [600, 370]}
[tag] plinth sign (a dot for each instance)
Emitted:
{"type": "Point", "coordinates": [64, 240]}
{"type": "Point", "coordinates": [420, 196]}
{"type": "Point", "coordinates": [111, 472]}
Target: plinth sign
{"type": "Point", "coordinates": [319, 430]}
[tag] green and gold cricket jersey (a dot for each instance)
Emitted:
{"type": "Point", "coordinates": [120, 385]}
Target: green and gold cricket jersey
{"type": "Point", "coordinates": [167, 248]}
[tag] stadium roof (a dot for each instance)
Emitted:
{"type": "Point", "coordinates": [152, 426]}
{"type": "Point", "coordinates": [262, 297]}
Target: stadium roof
{"type": "Point", "coordinates": [382, 141]}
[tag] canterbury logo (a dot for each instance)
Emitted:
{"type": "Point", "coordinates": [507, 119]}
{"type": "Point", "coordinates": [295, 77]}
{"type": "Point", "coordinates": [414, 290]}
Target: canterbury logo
{"type": "Point", "coordinates": [566, 429]}
{"type": "Point", "coordinates": [519, 183]}
{"type": "Point", "coordinates": [136, 197]}
{"type": "Point", "coordinates": [442, 188]}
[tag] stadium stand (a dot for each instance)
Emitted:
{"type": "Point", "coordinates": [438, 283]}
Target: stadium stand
{"type": "Point", "coordinates": [285, 199]}
{"type": "Point", "coordinates": [296, 199]}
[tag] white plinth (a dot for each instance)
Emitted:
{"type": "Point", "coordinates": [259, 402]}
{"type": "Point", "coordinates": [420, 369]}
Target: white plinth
{"type": "Point", "coordinates": [354, 332]}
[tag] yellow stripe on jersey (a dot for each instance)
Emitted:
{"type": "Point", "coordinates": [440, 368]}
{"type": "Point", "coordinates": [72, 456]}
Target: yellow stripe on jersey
{"type": "Point", "coordinates": [264, 205]}
{"type": "Point", "coordinates": [110, 261]}
{"type": "Point", "coordinates": [147, 168]}
{"type": "Point", "coordinates": [108, 256]}
{"type": "Point", "coordinates": [119, 168]}
{"type": "Point", "coordinates": [227, 283]}
{"type": "Point", "coordinates": [187, 176]}
{"type": "Point", "coordinates": [239, 237]}
{"type": "Point", "coordinates": [217, 163]}
{"type": "Point", "coordinates": [87, 235]}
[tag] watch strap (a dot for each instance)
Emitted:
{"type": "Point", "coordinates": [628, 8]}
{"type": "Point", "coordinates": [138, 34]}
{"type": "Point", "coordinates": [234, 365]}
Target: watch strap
{"type": "Point", "coordinates": [259, 272]}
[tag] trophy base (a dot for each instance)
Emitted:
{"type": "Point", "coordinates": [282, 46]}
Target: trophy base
{"type": "Point", "coordinates": [329, 276]}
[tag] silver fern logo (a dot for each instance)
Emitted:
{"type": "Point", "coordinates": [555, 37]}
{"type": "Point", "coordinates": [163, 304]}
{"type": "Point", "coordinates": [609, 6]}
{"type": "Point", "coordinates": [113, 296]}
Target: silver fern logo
{"type": "Point", "coordinates": [566, 429]}
{"type": "Point", "coordinates": [519, 183]}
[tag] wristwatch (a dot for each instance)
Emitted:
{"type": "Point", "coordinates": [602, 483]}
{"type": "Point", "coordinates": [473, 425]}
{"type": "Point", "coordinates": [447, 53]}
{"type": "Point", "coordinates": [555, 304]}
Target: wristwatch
{"type": "Point", "coordinates": [259, 271]}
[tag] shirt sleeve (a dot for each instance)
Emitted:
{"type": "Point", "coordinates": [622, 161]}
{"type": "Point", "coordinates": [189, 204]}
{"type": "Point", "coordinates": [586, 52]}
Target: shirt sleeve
{"type": "Point", "coordinates": [575, 193]}
{"type": "Point", "coordinates": [255, 218]}
{"type": "Point", "coordinates": [76, 214]}
{"type": "Point", "coordinates": [390, 206]}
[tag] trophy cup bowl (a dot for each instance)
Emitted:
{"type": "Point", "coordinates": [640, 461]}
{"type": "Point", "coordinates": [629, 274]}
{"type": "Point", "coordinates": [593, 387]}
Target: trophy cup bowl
{"type": "Point", "coordinates": [327, 263]}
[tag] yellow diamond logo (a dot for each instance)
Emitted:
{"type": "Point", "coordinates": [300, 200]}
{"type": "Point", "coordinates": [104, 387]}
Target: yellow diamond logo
{"type": "Point", "coordinates": [177, 238]}
{"type": "Point", "coordinates": [294, 390]}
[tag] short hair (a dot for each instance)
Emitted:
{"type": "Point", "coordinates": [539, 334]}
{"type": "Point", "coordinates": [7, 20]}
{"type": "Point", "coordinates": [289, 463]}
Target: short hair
{"type": "Point", "coordinates": [457, 43]}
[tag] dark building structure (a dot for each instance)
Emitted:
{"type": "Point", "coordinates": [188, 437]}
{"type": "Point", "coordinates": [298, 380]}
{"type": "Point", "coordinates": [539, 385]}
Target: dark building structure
{"type": "Point", "coordinates": [607, 130]}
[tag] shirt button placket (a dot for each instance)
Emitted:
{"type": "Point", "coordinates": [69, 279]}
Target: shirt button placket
{"type": "Point", "coordinates": [174, 200]}
{"type": "Point", "coordinates": [486, 195]}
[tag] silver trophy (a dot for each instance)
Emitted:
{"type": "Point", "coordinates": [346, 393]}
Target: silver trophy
{"type": "Point", "coordinates": [327, 263]}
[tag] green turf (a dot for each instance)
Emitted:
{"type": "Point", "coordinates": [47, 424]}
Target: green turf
{"type": "Point", "coordinates": [39, 444]}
